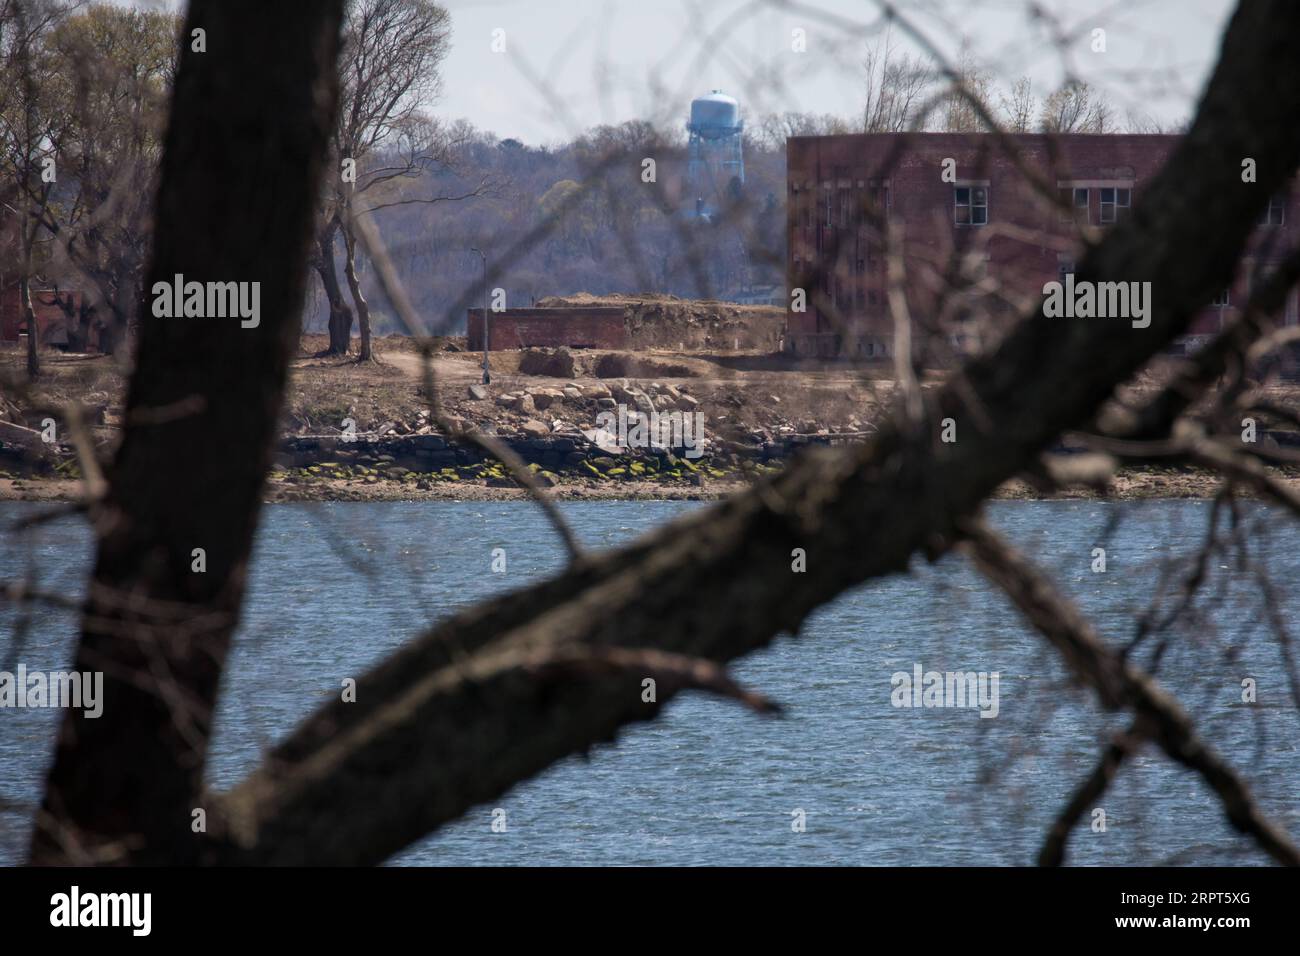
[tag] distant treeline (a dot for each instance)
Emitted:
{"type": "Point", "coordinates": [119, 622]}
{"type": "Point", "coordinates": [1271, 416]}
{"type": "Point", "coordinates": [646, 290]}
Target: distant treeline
{"type": "Point", "coordinates": [579, 217]}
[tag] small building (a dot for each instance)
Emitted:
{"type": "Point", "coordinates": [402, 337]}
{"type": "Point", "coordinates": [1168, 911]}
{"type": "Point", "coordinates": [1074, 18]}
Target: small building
{"type": "Point", "coordinates": [597, 327]}
{"type": "Point", "coordinates": [63, 320]}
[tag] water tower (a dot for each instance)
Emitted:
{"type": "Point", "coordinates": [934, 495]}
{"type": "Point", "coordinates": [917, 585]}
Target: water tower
{"type": "Point", "coordinates": [715, 167]}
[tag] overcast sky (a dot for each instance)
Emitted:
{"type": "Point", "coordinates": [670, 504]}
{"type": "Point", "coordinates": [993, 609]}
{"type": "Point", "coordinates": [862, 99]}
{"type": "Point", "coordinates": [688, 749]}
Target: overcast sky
{"type": "Point", "coordinates": [610, 60]}
{"type": "Point", "coordinates": [571, 64]}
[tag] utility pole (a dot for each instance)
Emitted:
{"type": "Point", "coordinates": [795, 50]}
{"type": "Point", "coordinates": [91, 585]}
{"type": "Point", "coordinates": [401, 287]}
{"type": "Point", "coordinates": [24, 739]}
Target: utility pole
{"type": "Point", "coordinates": [487, 376]}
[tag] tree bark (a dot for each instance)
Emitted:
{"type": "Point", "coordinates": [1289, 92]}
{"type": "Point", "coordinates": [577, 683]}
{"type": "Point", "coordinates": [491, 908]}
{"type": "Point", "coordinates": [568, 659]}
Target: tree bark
{"type": "Point", "coordinates": [354, 286]}
{"type": "Point", "coordinates": [243, 160]}
{"type": "Point", "coordinates": [340, 318]}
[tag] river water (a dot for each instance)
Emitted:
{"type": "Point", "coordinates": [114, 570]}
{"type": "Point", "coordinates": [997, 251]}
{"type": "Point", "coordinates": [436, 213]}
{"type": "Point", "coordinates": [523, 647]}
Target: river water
{"type": "Point", "coordinates": [844, 777]}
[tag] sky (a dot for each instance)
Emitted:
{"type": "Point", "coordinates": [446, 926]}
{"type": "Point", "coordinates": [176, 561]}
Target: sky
{"type": "Point", "coordinates": [571, 64]}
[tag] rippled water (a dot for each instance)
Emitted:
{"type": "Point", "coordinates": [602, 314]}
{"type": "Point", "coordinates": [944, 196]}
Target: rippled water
{"type": "Point", "coordinates": [712, 783]}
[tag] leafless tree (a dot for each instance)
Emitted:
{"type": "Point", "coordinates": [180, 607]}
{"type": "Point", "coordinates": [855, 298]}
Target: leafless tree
{"type": "Point", "coordinates": [117, 66]}
{"type": "Point", "coordinates": [389, 75]}
{"type": "Point", "coordinates": [31, 126]}
{"type": "Point", "coordinates": [1019, 106]}
{"type": "Point", "coordinates": [896, 86]}
{"type": "Point", "coordinates": [970, 84]}
{"type": "Point", "coordinates": [1076, 108]}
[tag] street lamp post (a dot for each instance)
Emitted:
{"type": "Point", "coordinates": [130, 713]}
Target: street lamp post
{"type": "Point", "coordinates": [487, 376]}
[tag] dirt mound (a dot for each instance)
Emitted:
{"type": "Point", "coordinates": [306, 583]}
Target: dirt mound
{"type": "Point", "coordinates": [555, 363]}
{"type": "Point", "coordinates": [622, 365]}
{"type": "Point", "coordinates": [665, 321]}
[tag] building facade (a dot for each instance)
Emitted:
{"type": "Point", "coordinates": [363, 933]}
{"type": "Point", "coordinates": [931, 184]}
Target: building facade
{"type": "Point", "coordinates": [951, 198]}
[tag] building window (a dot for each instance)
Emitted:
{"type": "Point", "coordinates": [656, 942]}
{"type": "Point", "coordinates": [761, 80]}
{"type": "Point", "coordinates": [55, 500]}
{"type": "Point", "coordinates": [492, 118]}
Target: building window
{"type": "Point", "coordinates": [1275, 213]}
{"type": "Point", "coordinates": [861, 266]}
{"type": "Point", "coordinates": [1064, 268]}
{"type": "Point", "coordinates": [1221, 301]}
{"type": "Point", "coordinates": [1114, 204]}
{"type": "Point", "coordinates": [830, 210]}
{"type": "Point", "coordinates": [1074, 204]}
{"type": "Point", "coordinates": [970, 205]}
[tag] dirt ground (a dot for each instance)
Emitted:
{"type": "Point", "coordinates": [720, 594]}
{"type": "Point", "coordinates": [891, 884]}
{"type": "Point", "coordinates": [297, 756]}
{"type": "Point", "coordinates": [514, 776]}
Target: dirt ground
{"type": "Point", "coordinates": [746, 396]}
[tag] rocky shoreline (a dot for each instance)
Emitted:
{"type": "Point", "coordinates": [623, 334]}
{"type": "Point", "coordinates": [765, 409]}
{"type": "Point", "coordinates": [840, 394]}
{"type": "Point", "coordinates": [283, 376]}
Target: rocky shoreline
{"type": "Point", "coordinates": [490, 483]}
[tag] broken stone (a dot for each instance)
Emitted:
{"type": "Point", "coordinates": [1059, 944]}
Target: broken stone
{"type": "Point", "coordinates": [545, 397]}
{"type": "Point", "coordinates": [478, 392]}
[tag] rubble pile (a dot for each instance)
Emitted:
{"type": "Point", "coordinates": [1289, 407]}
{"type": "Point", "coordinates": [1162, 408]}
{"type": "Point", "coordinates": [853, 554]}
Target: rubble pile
{"type": "Point", "coordinates": [667, 322]}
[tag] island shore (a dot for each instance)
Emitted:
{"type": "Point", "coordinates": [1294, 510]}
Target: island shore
{"type": "Point", "coordinates": [1131, 484]}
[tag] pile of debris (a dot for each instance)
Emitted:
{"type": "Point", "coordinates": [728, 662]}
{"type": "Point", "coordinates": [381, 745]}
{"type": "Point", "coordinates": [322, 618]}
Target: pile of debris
{"type": "Point", "coordinates": [667, 322]}
{"type": "Point", "coordinates": [563, 363]}
{"type": "Point", "coordinates": [539, 410]}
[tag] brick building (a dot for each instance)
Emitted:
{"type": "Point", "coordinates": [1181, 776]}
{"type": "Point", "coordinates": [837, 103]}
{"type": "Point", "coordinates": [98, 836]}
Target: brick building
{"type": "Point", "coordinates": [989, 214]}
{"type": "Point", "coordinates": [600, 327]}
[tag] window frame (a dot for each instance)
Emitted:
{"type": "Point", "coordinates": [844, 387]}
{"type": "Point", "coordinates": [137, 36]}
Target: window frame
{"type": "Point", "coordinates": [970, 205]}
{"type": "Point", "coordinates": [1072, 214]}
{"type": "Point", "coordinates": [1115, 205]}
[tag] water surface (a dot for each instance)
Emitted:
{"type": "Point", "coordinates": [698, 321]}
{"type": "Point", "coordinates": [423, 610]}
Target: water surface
{"type": "Point", "coordinates": [335, 587]}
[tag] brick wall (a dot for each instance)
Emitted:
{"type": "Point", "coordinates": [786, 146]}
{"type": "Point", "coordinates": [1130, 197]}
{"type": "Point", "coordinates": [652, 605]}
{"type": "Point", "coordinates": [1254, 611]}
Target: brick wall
{"type": "Point", "coordinates": [56, 328]}
{"type": "Point", "coordinates": [597, 328]}
{"type": "Point", "coordinates": [830, 177]}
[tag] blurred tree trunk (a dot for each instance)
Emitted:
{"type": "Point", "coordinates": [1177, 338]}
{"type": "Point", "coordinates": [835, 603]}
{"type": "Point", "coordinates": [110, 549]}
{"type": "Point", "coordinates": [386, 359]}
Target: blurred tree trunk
{"type": "Point", "coordinates": [242, 165]}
